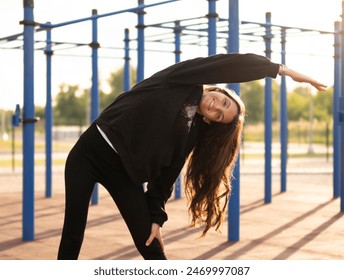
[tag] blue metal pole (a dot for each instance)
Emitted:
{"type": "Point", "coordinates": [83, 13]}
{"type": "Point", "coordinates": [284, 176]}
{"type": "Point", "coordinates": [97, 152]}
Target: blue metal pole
{"type": "Point", "coordinates": [48, 119]}
{"type": "Point", "coordinates": [341, 117]}
{"type": "Point", "coordinates": [95, 88]}
{"type": "Point", "coordinates": [234, 202]}
{"type": "Point", "coordinates": [177, 35]}
{"type": "Point", "coordinates": [28, 123]}
{"type": "Point", "coordinates": [126, 76]}
{"type": "Point", "coordinates": [268, 114]}
{"type": "Point", "coordinates": [284, 117]}
{"type": "Point", "coordinates": [212, 17]}
{"type": "Point", "coordinates": [140, 43]}
{"type": "Point", "coordinates": [177, 52]}
{"type": "Point", "coordinates": [178, 188]}
{"type": "Point", "coordinates": [336, 127]}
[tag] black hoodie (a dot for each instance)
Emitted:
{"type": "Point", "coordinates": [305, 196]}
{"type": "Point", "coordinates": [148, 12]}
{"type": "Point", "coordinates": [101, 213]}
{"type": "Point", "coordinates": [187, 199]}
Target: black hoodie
{"type": "Point", "coordinates": [147, 125]}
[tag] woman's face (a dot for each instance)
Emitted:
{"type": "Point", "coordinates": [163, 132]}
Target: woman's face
{"type": "Point", "coordinates": [217, 107]}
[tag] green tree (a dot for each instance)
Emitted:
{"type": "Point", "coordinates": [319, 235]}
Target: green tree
{"type": "Point", "coordinates": [73, 109]}
{"type": "Point", "coordinates": [323, 105]}
{"type": "Point", "coordinates": [275, 100]}
{"type": "Point", "coordinates": [298, 104]}
{"type": "Point", "coordinates": [5, 121]}
{"type": "Point", "coordinates": [252, 94]}
{"type": "Point", "coordinates": [69, 109]}
{"type": "Point", "coordinates": [40, 112]}
{"type": "Point", "coordinates": [115, 82]}
{"type": "Point", "coordinates": [40, 115]}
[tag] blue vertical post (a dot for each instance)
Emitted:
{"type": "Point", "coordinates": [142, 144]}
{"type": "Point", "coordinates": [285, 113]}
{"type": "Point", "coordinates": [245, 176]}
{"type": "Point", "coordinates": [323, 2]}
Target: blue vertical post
{"type": "Point", "coordinates": [341, 117]}
{"type": "Point", "coordinates": [212, 17]}
{"type": "Point", "coordinates": [178, 187]}
{"type": "Point", "coordinates": [95, 87]}
{"type": "Point", "coordinates": [284, 117]}
{"type": "Point", "coordinates": [177, 42]}
{"type": "Point", "coordinates": [28, 123]}
{"type": "Point", "coordinates": [268, 114]}
{"type": "Point", "coordinates": [48, 118]}
{"type": "Point", "coordinates": [140, 43]}
{"type": "Point", "coordinates": [126, 76]}
{"type": "Point", "coordinates": [336, 127]}
{"type": "Point", "coordinates": [234, 201]}
{"type": "Point", "coordinates": [177, 52]}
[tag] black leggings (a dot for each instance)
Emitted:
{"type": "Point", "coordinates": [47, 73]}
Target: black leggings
{"type": "Point", "coordinates": [90, 161]}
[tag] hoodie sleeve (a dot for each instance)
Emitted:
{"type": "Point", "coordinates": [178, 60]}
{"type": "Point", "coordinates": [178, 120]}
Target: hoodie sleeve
{"type": "Point", "coordinates": [159, 191]}
{"type": "Point", "coordinates": [221, 68]}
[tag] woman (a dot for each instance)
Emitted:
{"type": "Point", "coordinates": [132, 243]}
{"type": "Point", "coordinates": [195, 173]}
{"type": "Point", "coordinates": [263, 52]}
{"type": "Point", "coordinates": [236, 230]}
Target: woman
{"type": "Point", "coordinates": [147, 134]}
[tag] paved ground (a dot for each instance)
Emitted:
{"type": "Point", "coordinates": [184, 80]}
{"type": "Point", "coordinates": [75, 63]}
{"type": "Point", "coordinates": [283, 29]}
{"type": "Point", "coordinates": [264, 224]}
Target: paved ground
{"type": "Point", "coordinates": [303, 223]}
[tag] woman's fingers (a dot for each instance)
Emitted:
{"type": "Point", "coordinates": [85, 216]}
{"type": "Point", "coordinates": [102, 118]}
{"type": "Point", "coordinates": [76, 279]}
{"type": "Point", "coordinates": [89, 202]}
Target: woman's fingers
{"type": "Point", "coordinates": [155, 233]}
{"type": "Point", "coordinates": [301, 78]}
{"type": "Point", "coordinates": [319, 86]}
{"type": "Point", "coordinates": [304, 79]}
{"type": "Point", "coordinates": [150, 239]}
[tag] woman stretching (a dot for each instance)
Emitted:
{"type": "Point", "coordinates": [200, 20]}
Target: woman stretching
{"type": "Point", "coordinates": [146, 135]}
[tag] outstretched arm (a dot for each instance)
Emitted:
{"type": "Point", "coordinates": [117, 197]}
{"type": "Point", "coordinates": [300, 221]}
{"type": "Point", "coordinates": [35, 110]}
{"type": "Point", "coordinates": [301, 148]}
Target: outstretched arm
{"type": "Point", "coordinates": [219, 68]}
{"type": "Point", "coordinates": [301, 78]}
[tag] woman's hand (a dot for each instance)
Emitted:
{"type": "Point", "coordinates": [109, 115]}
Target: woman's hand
{"type": "Point", "coordinates": [301, 78]}
{"type": "Point", "coordinates": [155, 233]}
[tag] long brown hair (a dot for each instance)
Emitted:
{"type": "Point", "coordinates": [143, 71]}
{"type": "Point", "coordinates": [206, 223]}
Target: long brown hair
{"type": "Point", "coordinates": [210, 168]}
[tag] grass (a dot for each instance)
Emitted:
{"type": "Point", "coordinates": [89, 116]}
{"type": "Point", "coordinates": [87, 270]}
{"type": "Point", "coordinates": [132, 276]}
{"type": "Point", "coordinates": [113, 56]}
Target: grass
{"type": "Point", "coordinates": [298, 132]}
{"type": "Point", "coordinates": [6, 147]}
{"type": "Point", "coordinates": [290, 155]}
{"type": "Point", "coordinates": [39, 162]}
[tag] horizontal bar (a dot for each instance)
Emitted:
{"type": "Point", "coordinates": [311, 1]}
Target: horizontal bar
{"type": "Point", "coordinates": [287, 27]}
{"type": "Point", "coordinates": [172, 22]}
{"type": "Point", "coordinates": [47, 25]}
{"type": "Point", "coordinates": [12, 37]}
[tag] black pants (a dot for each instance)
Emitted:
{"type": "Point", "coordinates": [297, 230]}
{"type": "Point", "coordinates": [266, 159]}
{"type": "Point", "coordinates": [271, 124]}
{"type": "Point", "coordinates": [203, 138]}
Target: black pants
{"type": "Point", "coordinates": [90, 161]}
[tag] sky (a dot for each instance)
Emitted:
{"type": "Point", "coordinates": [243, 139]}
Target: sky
{"type": "Point", "coordinates": [309, 53]}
